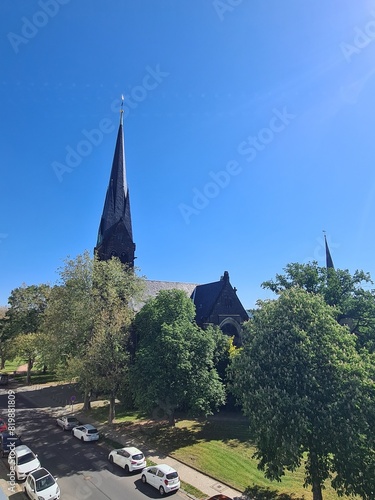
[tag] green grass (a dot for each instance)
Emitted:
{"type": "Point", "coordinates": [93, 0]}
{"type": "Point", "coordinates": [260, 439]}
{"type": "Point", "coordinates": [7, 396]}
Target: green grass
{"type": "Point", "coordinates": [37, 376]}
{"type": "Point", "coordinates": [123, 415]}
{"type": "Point", "coordinates": [11, 366]}
{"type": "Point", "coordinates": [220, 448]}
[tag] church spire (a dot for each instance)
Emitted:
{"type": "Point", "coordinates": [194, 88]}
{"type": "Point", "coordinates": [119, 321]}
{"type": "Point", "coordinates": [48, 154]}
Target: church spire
{"type": "Point", "coordinates": [115, 235]}
{"type": "Point", "coordinates": [329, 261]}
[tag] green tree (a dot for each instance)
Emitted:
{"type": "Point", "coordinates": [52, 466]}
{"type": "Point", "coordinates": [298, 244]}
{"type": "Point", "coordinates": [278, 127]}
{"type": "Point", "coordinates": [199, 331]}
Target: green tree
{"type": "Point", "coordinates": [5, 336]}
{"type": "Point", "coordinates": [28, 346]}
{"type": "Point", "coordinates": [350, 294]}
{"type": "Point", "coordinates": [309, 393]}
{"type": "Point", "coordinates": [69, 322]}
{"type": "Point", "coordinates": [88, 321]}
{"type": "Point", "coordinates": [174, 359]}
{"type": "Point", "coordinates": [115, 289]}
{"type": "Point", "coordinates": [69, 318]}
{"type": "Point", "coordinates": [25, 317]}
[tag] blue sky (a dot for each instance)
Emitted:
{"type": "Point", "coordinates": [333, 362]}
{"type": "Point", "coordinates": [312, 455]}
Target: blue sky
{"type": "Point", "coordinates": [249, 129]}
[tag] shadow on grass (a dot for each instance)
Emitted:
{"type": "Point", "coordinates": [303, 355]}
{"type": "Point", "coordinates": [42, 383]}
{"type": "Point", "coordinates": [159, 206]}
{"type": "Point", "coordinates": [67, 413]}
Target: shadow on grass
{"type": "Point", "coordinates": [161, 436]}
{"type": "Point", "coordinates": [259, 493]}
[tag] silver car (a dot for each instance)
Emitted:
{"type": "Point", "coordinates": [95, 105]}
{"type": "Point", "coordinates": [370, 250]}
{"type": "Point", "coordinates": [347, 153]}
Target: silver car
{"type": "Point", "coordinates": [67, 423]}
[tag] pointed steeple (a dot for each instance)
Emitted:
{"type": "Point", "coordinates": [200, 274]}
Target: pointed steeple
{"type": "Point", "coordinates": [329, 261]}
{"type": "Point", "coordinates": [115, 235]}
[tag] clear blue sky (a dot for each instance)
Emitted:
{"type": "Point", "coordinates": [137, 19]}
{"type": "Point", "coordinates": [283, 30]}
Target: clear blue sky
{"type": "Point", "coordinates": [249, 129]}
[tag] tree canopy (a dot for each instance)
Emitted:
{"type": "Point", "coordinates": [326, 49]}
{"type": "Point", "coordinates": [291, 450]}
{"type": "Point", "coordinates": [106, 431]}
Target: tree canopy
{"type": "Point", "coordinates": [23, 322]}
{"type": "Point", "coordinates": [88, 323]}
{"type": "Point", "coordinates": [308, 392]}
{"type": "Point", "coordinates": [349, 293]}
{"type": "Point", "coordinates": [174, 360]}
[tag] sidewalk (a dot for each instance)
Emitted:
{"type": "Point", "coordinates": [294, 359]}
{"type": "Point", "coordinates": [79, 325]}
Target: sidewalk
{"type": "Point", "coordinates": [55, 405]}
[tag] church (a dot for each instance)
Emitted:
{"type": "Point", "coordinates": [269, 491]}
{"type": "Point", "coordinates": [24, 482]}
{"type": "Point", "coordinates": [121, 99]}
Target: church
{"type": "Point", "coordinates": [216, 303]}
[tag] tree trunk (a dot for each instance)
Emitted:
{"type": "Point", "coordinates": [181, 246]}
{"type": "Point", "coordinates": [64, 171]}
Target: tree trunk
{"type": "Point", "coordinates": [112, 409]}
{"type": "Point", "coordinates": [86, 400]}
{"type": "Point", "coordinates": [28, 374]}
{"type": "Point", "coordinates": [317, 490]}
{"type": "Point", "coordinates": [2, 362]}
{"type": "Point", "coordinates": [315, 475]}
{"type": "Point", "coordinates": [171, 419]}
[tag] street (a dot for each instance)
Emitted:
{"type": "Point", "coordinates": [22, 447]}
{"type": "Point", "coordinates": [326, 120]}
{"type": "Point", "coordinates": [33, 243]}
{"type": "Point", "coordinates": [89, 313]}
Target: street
{"type": "Point", "coordinates": [82, 469]}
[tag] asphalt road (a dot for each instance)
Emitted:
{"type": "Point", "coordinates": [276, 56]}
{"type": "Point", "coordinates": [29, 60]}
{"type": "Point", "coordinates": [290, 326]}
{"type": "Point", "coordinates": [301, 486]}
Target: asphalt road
{"type": "Point", "coordinates": [82, 469]}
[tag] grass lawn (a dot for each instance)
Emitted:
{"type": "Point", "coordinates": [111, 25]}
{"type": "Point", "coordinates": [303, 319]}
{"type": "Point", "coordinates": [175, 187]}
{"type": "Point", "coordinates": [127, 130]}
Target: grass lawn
{"type": "Point", "coordinates": [219, 447]}
{"type": "Point", "coordinates": [37, 377]}
{"type": "Point", "coordinates": [11, 366]}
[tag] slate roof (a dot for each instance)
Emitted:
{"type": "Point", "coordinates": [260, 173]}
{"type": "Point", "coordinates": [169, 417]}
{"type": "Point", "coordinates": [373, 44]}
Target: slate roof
{"type": "Point", "coordinates": [205, 297]}
{"type": "Point", "coordinates": [153, 287]}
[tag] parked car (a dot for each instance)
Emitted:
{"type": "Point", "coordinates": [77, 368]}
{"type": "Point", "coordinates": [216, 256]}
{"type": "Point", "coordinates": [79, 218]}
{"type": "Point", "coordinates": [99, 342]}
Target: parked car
{"type": "Point", "coordinates": [162, 477]}
{"type": "Point", "coordinates": [41, 485]}
{"type": "Point", "coordinates": [128, 458]}
{"type": "Point", "coordinates": [219, 497]}
{"type": "Point", "coordinates": [4, 379]}
{"type": "Point", "coordinates": [23, 460]}
{"type": "Point", "coordinates": [67, 423]}
{"type": "Point", "coordinates": [3, 425]}
{"type": "Point", "coordinates": [8, 441]}
{"type": "Point", "coordinates": [86, 432]}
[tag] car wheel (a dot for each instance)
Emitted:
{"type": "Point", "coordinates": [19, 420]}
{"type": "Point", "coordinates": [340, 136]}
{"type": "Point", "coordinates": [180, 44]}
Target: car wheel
{"type": "Point", "coordinates": [144, 480]}
{"type": "Point", "coordinates": [111, 459]}
{"type": "Point", "coordinates": [126, 468]}
{"type": "Point", "coordinates": [161, 491]}
{"type": "Point", "coordinates": [82, 438]}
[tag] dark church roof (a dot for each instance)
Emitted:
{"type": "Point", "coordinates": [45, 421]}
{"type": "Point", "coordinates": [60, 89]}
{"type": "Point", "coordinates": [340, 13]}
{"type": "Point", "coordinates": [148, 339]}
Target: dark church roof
{"type": "Point", "coordinates": [217, 299]}
{"type": "Point", "coordinates": [117, 203]}
{"type": "Point", "coordinates": [115, 235]}
{"type": "Point", "coordinates": [205, 297]}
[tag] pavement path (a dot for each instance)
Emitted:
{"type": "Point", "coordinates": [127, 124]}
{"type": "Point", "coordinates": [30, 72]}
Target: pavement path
{"type": "Point", "coordinates": [53, 403]}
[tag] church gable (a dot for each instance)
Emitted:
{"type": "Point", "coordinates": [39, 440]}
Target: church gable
{"type": "Point", "coordinates": [217, 303]}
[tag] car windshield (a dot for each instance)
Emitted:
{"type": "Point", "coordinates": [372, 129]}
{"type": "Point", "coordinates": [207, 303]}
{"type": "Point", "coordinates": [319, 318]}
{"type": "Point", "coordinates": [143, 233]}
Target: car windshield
{"type": "Point", "coordinates": [44, 482]}
{"type": "Point", "coordinates": [72, 420]}
{"type": "Point", "coordinates": [26, 458]}
{"type": "Point", "coordinates": [172, 475]}
{"type": "Point", "coordinates": [92, 431]}
{"type": "Point", "coordinates": [139, 456]}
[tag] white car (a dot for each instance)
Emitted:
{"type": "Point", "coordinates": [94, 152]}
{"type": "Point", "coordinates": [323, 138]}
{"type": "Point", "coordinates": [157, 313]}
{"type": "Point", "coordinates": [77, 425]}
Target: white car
{"type": "Point", "coordinates": [86, 432]}
{"type": "Point", "coordinates": [162, 477]}
{"type": "Point", "coordinates": [41, 485]}
{"type": "Point", "coordinates": [67, 423]}
{"type": "Point", "coordinates": [129, 458]}
{"type": "Point", "coordinates": [23, 461]}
